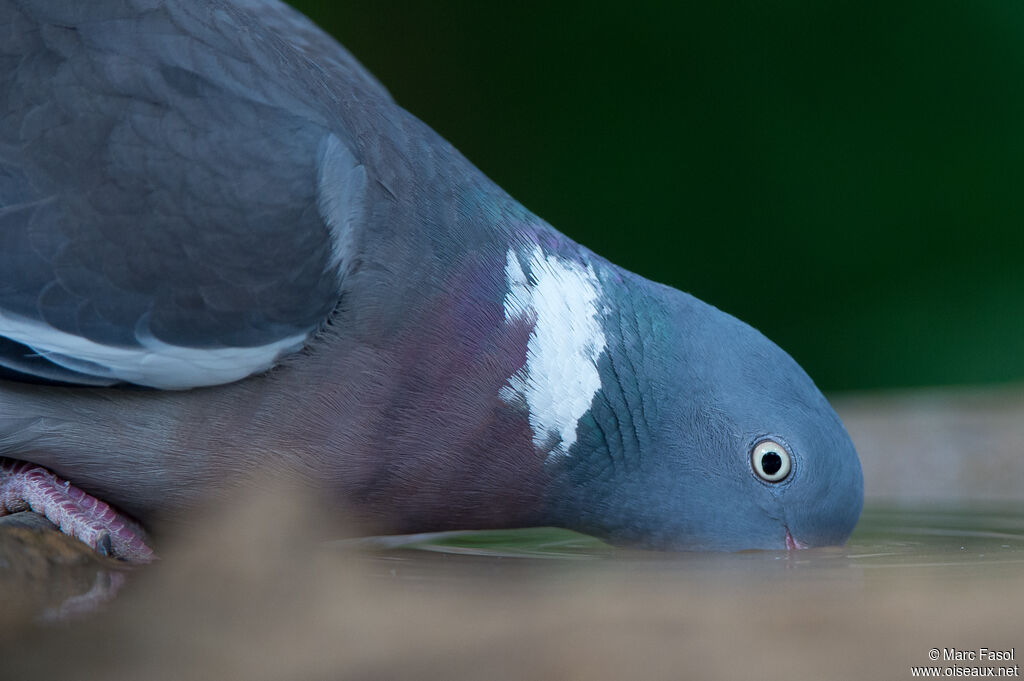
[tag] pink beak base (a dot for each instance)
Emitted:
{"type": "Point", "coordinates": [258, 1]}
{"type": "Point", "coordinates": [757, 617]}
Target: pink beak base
{"type": "Point", "coordinates": [793, 544]}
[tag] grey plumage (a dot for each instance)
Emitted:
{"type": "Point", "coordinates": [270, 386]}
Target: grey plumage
{"type": "Point", "coordinates": [193, 193]}
{"type": "Point", "coordinates": [146, 218]}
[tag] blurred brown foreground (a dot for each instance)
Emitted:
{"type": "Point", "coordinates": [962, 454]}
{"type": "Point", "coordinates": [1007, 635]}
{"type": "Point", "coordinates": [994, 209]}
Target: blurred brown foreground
{"type": "Point", "coordinates": [250, 592]}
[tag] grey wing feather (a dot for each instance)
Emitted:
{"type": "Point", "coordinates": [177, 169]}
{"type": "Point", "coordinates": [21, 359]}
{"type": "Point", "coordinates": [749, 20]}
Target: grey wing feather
{"type": "Point", "coordinates": [160, 168]}
{"type": "Point", "coordinates": [319, 47]}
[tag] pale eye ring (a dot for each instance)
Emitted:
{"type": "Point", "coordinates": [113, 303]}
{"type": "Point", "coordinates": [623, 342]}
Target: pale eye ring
{"type": "Point", "coordinates": [770, 461]}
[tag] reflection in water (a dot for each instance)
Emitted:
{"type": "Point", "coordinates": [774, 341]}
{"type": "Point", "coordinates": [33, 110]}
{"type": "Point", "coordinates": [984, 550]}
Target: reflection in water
{"type": "Point", "coordinates": [48, 576]}
{"type": "Point", "coordinates": [58, 579]}
{"type": "Point", "coordinates": [106, 586]}
{"type": "Point", "coordinates": [984, 541]}
{"type": "Point", "coordinates": [248, 595]}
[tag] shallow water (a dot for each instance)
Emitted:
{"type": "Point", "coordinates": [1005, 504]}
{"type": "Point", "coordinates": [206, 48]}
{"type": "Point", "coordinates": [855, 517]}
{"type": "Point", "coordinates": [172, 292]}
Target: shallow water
{"type": "Point", "coordinates": [887, 542]}
{"type": "Point", "coordinates": [247, 597]}
{"type": "Point", "coordinates": [983, 544]}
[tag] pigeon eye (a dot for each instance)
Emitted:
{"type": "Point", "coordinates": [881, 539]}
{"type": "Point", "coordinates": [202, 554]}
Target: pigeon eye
{"type": "Point", "coordinates": [771, 461]}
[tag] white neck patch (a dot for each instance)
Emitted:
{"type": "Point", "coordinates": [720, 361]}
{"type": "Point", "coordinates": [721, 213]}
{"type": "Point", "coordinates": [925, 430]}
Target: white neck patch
{"type": "Point", "coordinates": [560, 377]}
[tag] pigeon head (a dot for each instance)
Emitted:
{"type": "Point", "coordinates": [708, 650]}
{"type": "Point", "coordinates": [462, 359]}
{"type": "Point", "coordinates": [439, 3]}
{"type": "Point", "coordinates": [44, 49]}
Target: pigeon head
{"type": "Point", "coordinates": [691, 431]}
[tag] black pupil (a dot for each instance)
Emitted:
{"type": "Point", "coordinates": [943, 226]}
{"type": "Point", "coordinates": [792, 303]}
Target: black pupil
{"type": "Point", "coordinates": [771, 463]}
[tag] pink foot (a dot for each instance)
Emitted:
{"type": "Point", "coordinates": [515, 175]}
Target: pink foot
{"type": "Point", "coordinates": [25, 486]}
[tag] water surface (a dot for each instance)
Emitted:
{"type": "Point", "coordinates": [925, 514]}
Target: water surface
{"type": "Point", "coordinates": [888, 542]}
{"type": "Point", "coordinates": [245, 597]}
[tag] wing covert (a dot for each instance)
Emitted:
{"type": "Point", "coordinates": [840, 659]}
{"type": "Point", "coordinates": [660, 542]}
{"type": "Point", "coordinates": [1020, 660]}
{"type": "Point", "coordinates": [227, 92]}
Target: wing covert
{"type": "Point", "coordinates": [160, 181]}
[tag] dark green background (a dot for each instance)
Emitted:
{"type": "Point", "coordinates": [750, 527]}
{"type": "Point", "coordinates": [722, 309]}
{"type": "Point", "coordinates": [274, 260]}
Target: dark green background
{"type": "Point", "coordinates": [846, 176]}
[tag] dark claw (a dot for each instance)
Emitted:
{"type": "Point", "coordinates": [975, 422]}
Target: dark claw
{"type": "Point", "coordinates": [103, 545]}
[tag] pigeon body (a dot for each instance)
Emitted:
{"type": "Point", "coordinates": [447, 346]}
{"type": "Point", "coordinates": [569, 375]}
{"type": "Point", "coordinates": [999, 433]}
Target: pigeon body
{"type": "Point", "coordinates": [225, 250]}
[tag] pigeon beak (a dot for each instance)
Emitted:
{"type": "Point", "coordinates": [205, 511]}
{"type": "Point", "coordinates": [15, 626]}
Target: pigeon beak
{"type": "Point", "coordinates": [793, 544]}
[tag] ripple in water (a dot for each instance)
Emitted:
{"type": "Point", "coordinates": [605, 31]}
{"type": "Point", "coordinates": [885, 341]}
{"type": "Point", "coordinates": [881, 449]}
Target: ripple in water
{"type": "Point", "coordinates": [897, 542]}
